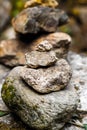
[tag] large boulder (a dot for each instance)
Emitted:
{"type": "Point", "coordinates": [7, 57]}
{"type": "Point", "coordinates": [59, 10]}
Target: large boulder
{"type": "Point", "coordinates": [41, 112]}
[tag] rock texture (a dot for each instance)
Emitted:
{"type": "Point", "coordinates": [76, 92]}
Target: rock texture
{"type": "Point", "coordinates": [8, 122]}
{"type": "Point", "coordinates": [79, 81]}
{"type": "Point", "coordinates": [35, 59]}
{"type": "Point", "coordinates": [49, 111]}
{"type": "Point", "coordinates": [32, 91]}
{"type": "Point", "coordinates": [38, 19]}
{"type": "Point", "coordinates": [50, 79]}
{"type": "Point", "coordinates": [12, 52]}
{"type": "Point", "coordinates": [79, 78]}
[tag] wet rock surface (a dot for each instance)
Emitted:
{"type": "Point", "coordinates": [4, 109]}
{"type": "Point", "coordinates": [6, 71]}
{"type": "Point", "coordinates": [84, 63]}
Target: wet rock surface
{"type": "Point", "coordinates": [38, 19]}
{"type": "Point", "coordinates": [50, 79]}
{"type": "Point", "coordinates": [38, 111]}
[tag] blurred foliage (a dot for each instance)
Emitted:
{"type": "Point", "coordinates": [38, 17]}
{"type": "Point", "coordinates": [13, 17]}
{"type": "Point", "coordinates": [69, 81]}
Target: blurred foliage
{"type": "Point", "coordinates": [73, 2]}
{"type": "Point", "coordinates": [17, 6]}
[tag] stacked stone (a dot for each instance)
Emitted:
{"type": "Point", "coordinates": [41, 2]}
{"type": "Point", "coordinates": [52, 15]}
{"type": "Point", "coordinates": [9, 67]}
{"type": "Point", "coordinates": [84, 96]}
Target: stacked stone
{"type": "Point", "coordinates": [32, 91]}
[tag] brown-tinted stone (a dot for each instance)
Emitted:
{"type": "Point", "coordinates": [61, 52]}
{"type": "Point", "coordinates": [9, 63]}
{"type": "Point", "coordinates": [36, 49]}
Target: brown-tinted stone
{"type": "Point", "coordinates": [38, 19]}
{"type": "Point", "coordinates": [12, 52]}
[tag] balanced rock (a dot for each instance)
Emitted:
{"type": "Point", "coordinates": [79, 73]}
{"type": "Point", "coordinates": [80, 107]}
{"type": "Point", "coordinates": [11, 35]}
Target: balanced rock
{"type": "Point", "coordinates": [35, 59]}
{"type": "Point", "coordinates": [38, 19]}
{"type": "Point", "coordinates": [41, 112]}
{"type": "Point", "coordinates": [57, 42]}
{"type": "Point", "coordinates": [12, 52]}
{"type": "Point", "coordinates": [45, 80]}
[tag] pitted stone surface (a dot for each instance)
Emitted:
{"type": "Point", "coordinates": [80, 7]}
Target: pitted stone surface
{"type": "Point", "coordinates": [35, 59]}
{"type": "Point", "coordinates": [45, 80]}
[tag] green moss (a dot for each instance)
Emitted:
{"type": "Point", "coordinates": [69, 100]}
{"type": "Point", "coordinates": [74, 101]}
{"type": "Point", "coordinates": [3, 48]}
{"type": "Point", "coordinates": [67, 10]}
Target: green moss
{"type": "Point", "coordinates": [10, 96]}
{"type": "Point", "coordinates": [8, 92]}
{"type": "Point", "coordinates": [17, 6]}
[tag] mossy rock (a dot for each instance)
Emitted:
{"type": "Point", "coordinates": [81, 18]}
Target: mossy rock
{"type": "Point", "coordinates": [41, 112]}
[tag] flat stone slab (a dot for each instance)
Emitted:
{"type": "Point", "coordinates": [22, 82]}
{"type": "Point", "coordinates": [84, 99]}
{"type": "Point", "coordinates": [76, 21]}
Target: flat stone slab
{"type": "Point", "coordinates": [35, 59]}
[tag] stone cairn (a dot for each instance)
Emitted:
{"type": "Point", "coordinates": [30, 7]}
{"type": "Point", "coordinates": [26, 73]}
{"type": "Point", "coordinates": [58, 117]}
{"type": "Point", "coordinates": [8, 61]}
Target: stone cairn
{"type": "Point", "coordinates": [39, 92]}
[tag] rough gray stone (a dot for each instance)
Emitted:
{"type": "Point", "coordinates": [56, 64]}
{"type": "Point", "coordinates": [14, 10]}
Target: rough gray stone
{"type": "Point", "coordinates": [9, 121]}
{"type": "Point", "coordinates": [44, 46]}
{"type": "Point", "coordinates": [35, 59]}
{"type": "Point", "coordinates": [41, 112]}
{"type": "Point", "coordinates": [38, 19]}
{"type": "Point", "coordinates": [9, 33]}
{"type": "Point", "coordinates": [79, 78]}
{"type": "Point", "coordinates": [45, 80]}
